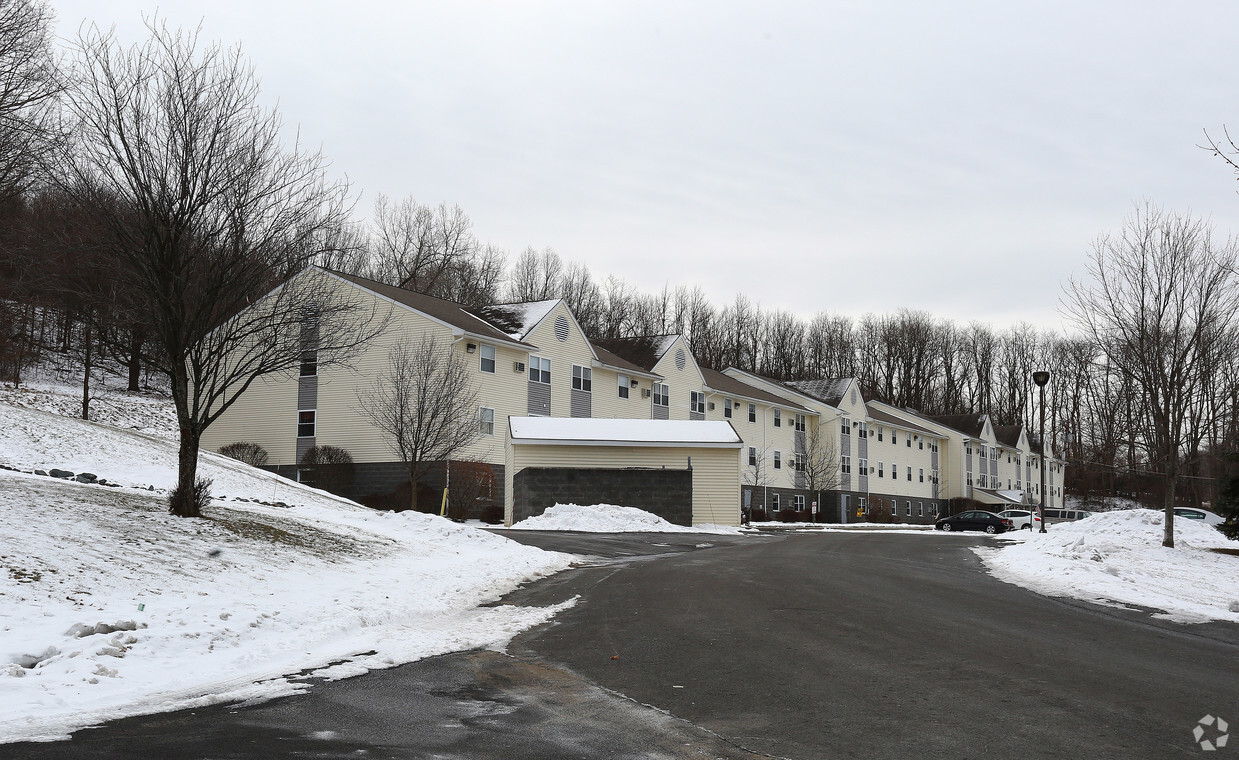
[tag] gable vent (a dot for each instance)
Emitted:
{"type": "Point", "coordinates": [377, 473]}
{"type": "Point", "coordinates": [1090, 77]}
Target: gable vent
{"type": "Point", "coordinates": [680, 359]}
{"type": "Point", "coordinates": [561, 328]}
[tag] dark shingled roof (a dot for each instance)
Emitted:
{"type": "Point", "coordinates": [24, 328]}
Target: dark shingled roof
{"type": "Point", "coordinates": [1008, 435]}
{"type": "Point", "coordinates": [828, 390]}
{"type": "Point", "coordinates": [727, 384]}
{"type": "Point", "coordinates": [618, 362]}
{"type": "Point", "coordinates": [968, 424]}
{"type": "Point", "coordinates": [890, 419]}
{"type": "Point", "coordinates": [644, 351]}
{"type": "Point", "coordinates": [447, 311]}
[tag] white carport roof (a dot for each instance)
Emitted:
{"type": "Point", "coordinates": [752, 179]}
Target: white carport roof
{"type": "Point", "coordinates": [578, 431]}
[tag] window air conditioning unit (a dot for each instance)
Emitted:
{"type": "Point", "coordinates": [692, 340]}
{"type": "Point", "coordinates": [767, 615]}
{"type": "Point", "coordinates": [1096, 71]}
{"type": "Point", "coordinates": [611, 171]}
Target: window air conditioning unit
{"type": "Point", "coordinates": [518, 366]}
{"type": "Point", "coordinates": [711, 406]}
{"type": "Point", "coordinates": [645, 393]}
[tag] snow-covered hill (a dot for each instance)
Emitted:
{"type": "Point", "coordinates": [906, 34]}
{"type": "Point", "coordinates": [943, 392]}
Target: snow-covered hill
{"type": "Point", "coordinates": [111, 607]}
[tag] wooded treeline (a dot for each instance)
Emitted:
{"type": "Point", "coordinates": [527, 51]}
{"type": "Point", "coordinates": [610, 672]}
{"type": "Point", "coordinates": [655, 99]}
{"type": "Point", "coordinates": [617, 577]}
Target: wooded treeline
{"type": "Point", "coordinates": [71, 208]}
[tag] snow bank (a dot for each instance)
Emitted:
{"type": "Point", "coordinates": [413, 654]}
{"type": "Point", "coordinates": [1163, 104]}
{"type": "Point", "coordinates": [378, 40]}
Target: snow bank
{"type": "Point", "coordinates": [111, 607]}
{"type": "Point", "coordinates": [1117, 558]}
{"type": "Point", "coordinates": [609, 518]}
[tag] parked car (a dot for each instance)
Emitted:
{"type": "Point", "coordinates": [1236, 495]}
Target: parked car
{"type": "Point", "coordinates": [1022, 518]}
{"type": "Point", "coordinates": [1065, 515]}
{"type": "Point", "coordinates": [1204, 515]}
{"type": "Point", "coordinates": [975, 520]}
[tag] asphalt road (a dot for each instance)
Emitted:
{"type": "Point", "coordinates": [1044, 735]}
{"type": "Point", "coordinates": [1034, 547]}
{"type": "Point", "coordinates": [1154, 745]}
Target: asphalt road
{"type": "Point", "coordinates": [796, 646]}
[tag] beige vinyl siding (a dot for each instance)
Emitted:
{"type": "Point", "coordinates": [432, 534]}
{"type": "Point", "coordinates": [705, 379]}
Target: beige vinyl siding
{"type": "Point", "coordinates": [266, 414]}
{"type": "Point", "coordinates": [900, 454]}
{"type": "Point", "coordinates": [607, 401]}
{"type": "Point", "coordinates": [563, 354]}
{"type": "Point", "coordinates": [716, 478]}
{"type": "Point", "coordinates": [679, 381]}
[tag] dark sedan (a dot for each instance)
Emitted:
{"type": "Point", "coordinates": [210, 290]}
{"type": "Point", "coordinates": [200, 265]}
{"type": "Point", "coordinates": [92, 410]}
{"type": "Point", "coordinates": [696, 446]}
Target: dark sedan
{"type": "Point", "coordinates": [975, 520]}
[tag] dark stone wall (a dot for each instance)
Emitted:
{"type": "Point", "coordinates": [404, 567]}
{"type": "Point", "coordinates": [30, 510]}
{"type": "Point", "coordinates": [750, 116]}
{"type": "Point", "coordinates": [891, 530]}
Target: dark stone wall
{"type": "Point", "coordinates": [666, 493]}
{"type": "Point", "coordinates": [385, 485]}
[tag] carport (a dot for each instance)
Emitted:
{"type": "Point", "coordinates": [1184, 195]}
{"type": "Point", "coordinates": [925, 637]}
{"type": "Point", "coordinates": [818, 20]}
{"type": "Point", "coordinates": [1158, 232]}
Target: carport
{"type": "Point", "coordinates": [685, 471]}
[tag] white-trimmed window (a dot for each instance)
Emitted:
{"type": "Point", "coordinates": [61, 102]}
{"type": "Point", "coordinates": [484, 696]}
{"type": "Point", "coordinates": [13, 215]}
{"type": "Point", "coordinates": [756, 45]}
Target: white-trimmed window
{"type": "Point", "coordinates": [983, 481]}
{"type": "Point", "coordinates": [582, 378]}
{"type": "Point", "coordinates": [306, 423]}
{"type": "Point", "coordinates": [697, 402]}
{"type": "Point", "coordinates": [920, 444]}
{"type": "Point", "coordinates": [864, 430]}
{"type": "Point", "coordinates": [970, 480]}
{"type": "Point", "coordinates": [909, 473]}
{"type": "Point", "coordinates": [880, 466]}
{"type": "Point", "coordinates": [662, 395]}
{"type": "Point", "coordinates": [778, 460]}
{"type": "Point", "coordinates": [921, 475]}
{"type": "Point", "coordinates": [907, 509]}
{"type": "Point", "coordinates": [624, 384]}
{"type": "Point", "coordinates": [774, 502]}
{"type": "Point", "coordinates": [845, 464]}
{"type": "Point", "coordinates": [864, 466]}
{"type": "Point", "coordinates": [486, 356]}
{"type": "Point", "coordinates": [894, 437]}
{"type": "Point", "coordinates": [539, 369]}
{"type": "Point", "coordinates": [920, 509]}
{"type": "Point", "coordinates": [800, 423]}
{"type": "Point", "coordinates": [752, 456]}
{"type": "Point", "coordinates": [778, 418]}
{"type": "Point", "coordinates": [863, 503]}
{"type": "Point", "coordinates": [752, 412]}
{"type": "Point", "coordinates": [799, 502]}
{"type": "Point", "coordinates": [727, 408]}
{"type": "Point", "coordinates": [933, 476]}
{"type": "Point", "coordinates": [847, 427]}
{"type": "Point", "coordinates": [908, 440]}
{"type": "Point", "coordinates": [879, 433]}
{"type": "Point", "coordinates": [486, 420]}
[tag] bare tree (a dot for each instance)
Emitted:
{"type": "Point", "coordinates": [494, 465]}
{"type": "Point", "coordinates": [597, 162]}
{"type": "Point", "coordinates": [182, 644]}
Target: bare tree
{"type": "Point", "coordinates": [820, 464]}
{"type": "Point", "coordinates": [756, 471]}
{"type": "Point", "coordinates": [424, 404]}
{"type": "Point", "coordinates": [1161, 303]}
{"type": "Point", "coordinates": [535, 275]}
{"type": "Point", "coordinates": [29, 86]}
{"type": "Point", "coordinates": [205, 213]}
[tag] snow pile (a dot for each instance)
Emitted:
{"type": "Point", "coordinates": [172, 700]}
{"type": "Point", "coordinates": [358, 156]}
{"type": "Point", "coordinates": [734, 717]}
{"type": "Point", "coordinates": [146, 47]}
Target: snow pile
{"type": "Point", "coordinates": [111, 607]}
{"type": "Point", "coordinates": [1117, 558]}
{"type": "Point", "coordinates": [609, 518]}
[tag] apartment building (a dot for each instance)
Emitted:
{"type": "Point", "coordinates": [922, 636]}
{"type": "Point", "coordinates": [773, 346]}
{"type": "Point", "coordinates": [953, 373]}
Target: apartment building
{"type": "Point", "coordinates": [814, 448]}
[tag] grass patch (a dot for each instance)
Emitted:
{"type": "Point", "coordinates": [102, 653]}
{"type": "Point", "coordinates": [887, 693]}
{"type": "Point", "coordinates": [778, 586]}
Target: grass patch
{"type": "Point", "coordinates": [304, 537]}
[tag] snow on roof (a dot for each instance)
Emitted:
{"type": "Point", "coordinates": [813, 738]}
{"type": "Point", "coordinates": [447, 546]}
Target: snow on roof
{"type": "Point", "coordinates": [604, 432]}
{"type": "Point", "coordinates": [516, 319]}
{"type": "Point", "coordinates": [828, 390]}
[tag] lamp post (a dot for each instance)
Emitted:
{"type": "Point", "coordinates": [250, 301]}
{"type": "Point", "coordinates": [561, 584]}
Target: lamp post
{"type": "Point", "coordinates": [1041, 378]}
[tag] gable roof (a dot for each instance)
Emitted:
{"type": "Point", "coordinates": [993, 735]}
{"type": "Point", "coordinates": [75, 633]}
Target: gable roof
{"type": "Point", "coordinates": [725, 384]}
{"type": "Point", "coordinates": [644, 351]}
{"type": "Point", "coordinates": [1008, 435]}
{"type": "Point", "coordinates": [441, 310]}
{"type": "Point", "coordinates": [889, 419]}
{"type": "Point", "coordinates": [971, 425]}
{"type": "Point", "coordinates": [608, 359]}
{"type": "Point", "coordinates": [828, 390]}
{"type": "Point", "coordinates": [515, 319]}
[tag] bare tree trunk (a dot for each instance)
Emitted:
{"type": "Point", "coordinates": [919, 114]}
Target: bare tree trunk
{"type": "Point", "coordinates": [134, 363]}
{"type": "Point", "coordinates": [86, 361]}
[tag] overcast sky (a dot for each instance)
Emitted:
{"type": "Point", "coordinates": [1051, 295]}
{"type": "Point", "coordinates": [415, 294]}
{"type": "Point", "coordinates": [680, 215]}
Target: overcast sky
{"type": "Point", "coordinates": [851, 157]}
